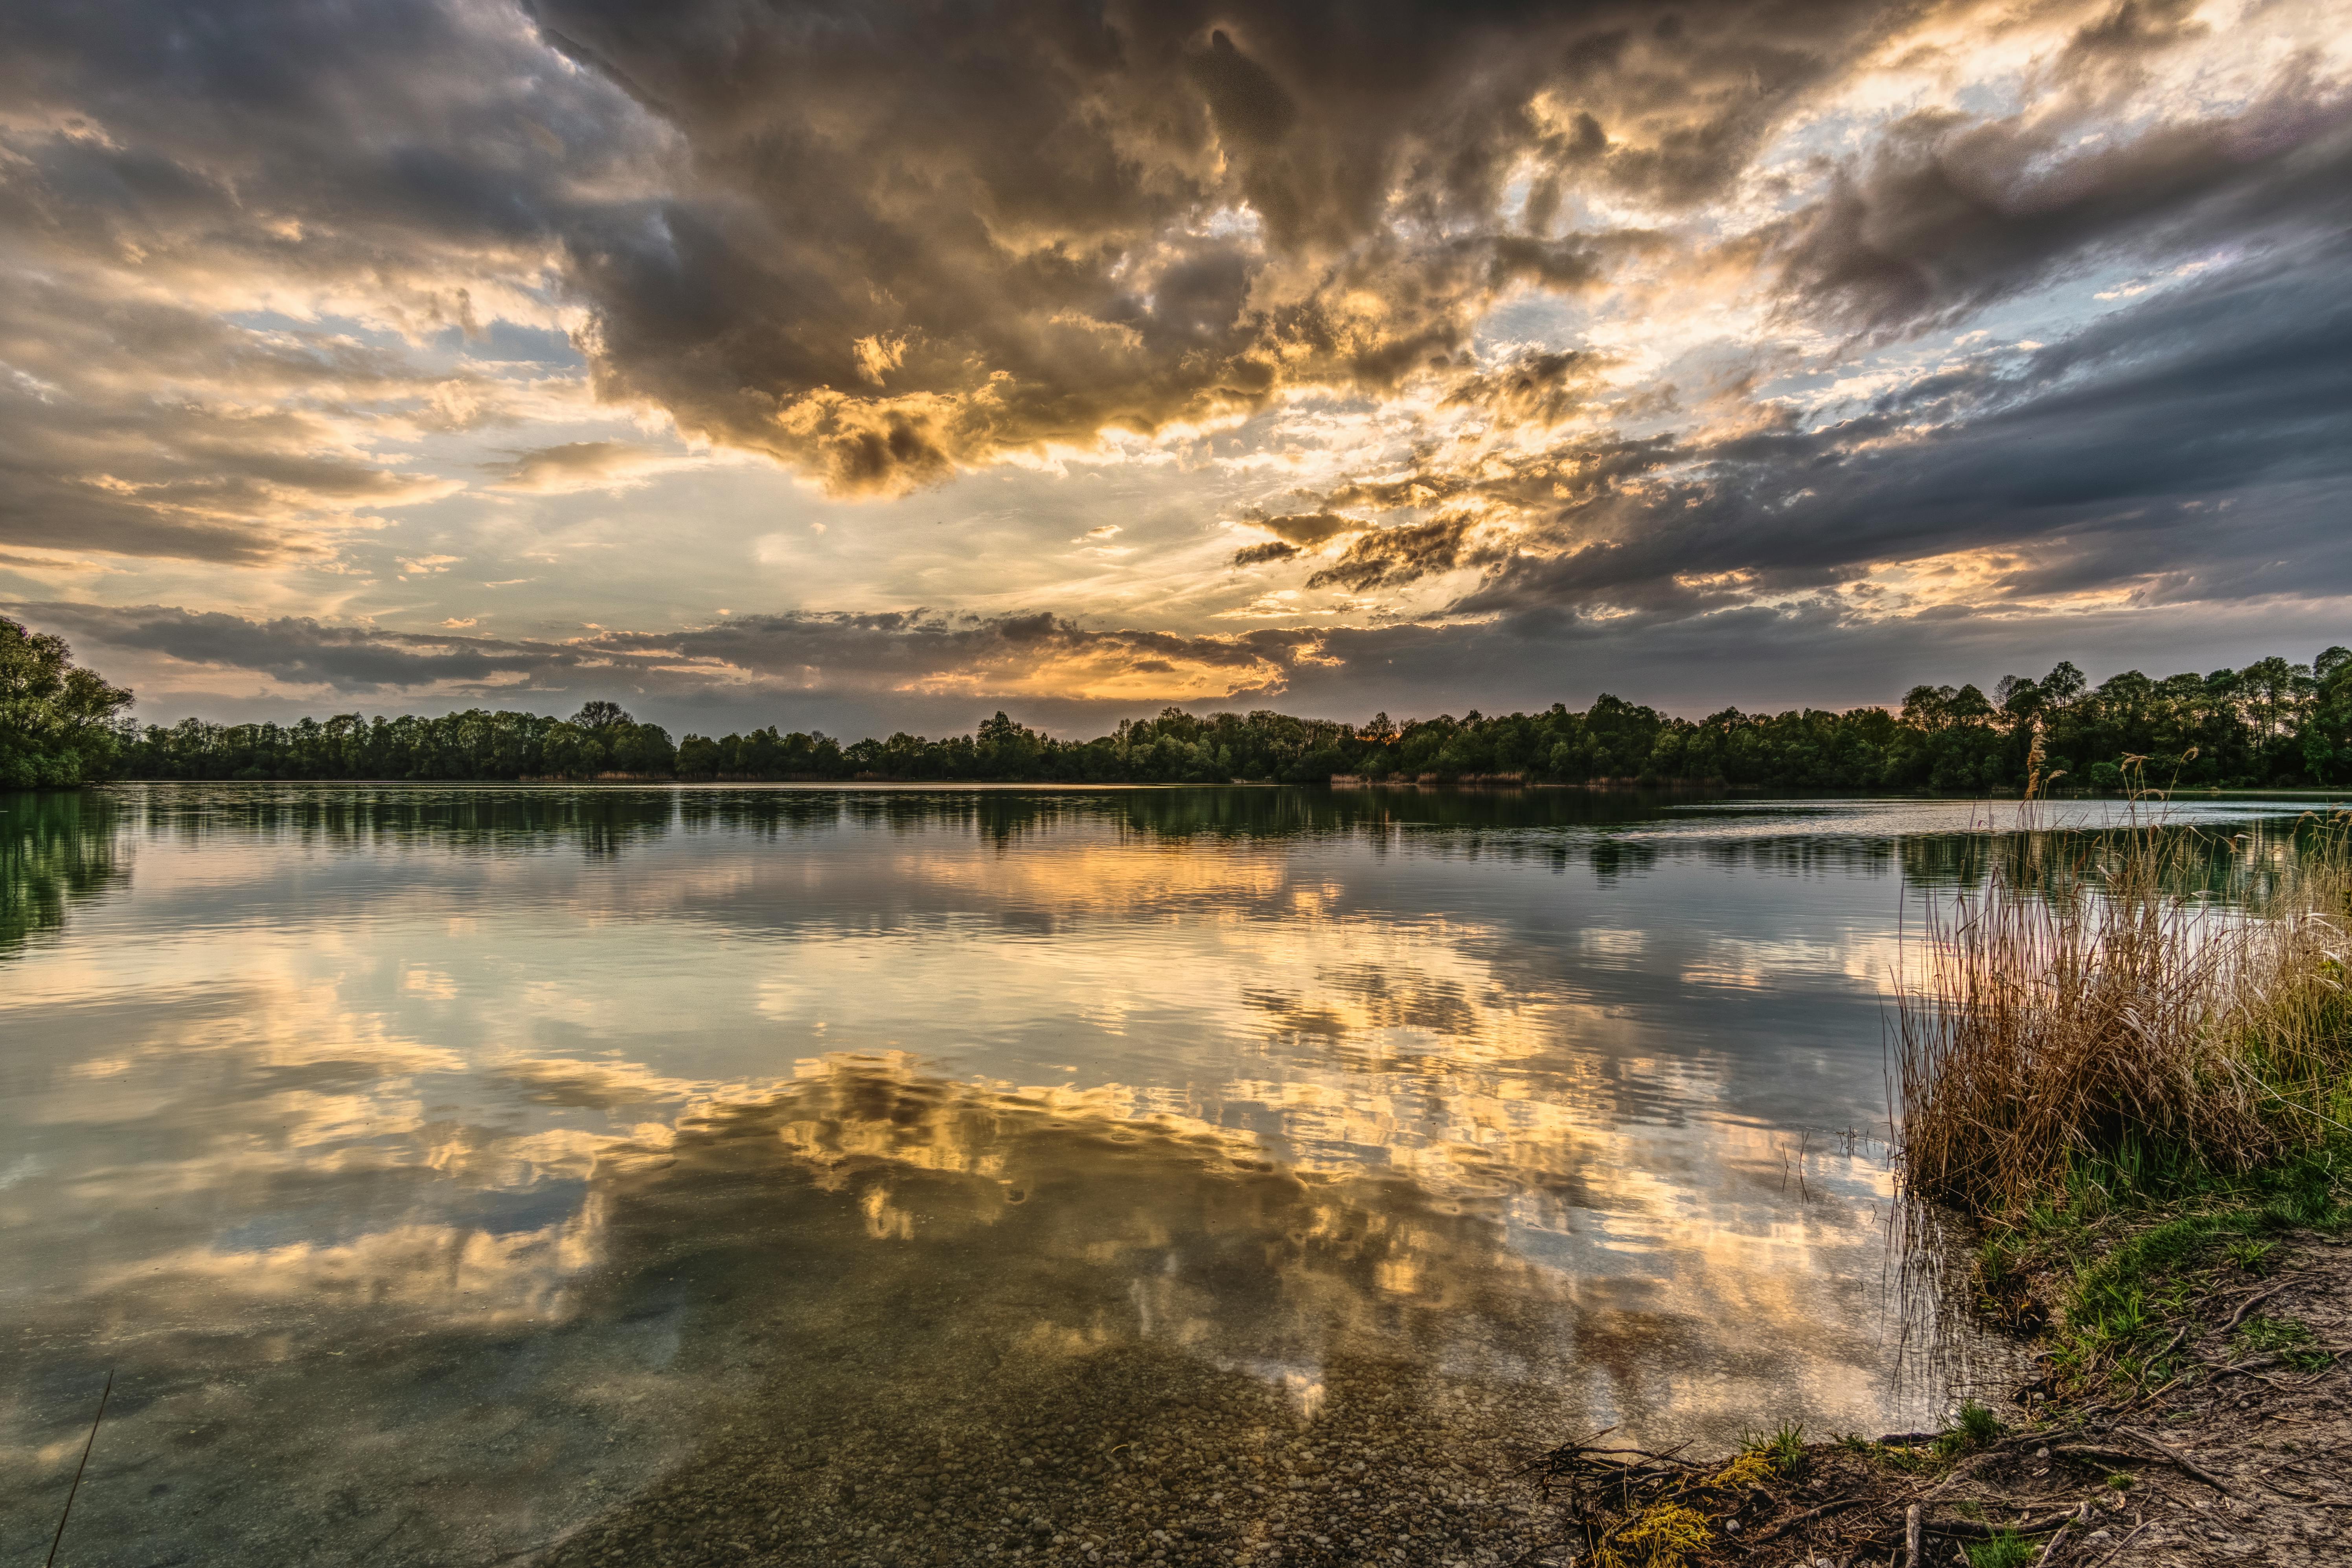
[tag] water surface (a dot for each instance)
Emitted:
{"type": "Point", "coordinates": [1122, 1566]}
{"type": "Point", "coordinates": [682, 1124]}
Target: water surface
{"type": "Point", "coordinates": [439, 1169]}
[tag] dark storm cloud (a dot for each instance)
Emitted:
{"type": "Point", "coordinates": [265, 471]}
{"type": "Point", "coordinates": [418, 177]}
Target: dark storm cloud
{"type": "Point", "coordinates": [1950, 213]}
{"type": "Point", "coordinates": [2194, 446]}
{"type": "Point", "coordinates": [298, 651]}
{"type": "Point", "coordinates": [875, 241]}
{"type": "Point", "coordinates": [1294, 533]}
{"type": "Point", "coordinates": [1307, 528]}
{"type": "Point", "coordinates": [160, 175]}
{"type": "Point", "coordinates": [322, 139]}
{"type": "Point", "coordinates": [920, 235]}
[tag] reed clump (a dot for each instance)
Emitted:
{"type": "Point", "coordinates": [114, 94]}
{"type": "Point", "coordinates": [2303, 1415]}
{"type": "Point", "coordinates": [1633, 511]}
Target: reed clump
{"type": "Point", "coordinates": [2095, 1008]}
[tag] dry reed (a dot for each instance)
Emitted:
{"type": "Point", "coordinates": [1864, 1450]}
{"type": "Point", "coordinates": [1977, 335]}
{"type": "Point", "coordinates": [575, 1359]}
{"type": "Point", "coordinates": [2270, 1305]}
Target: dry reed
{"type": "Point", "coordinates": [2084, 1006]}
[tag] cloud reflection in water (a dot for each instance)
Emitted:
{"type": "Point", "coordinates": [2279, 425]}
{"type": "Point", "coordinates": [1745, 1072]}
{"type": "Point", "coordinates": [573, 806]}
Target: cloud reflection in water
{"type": "Point", "coordinates": [495, 1149]}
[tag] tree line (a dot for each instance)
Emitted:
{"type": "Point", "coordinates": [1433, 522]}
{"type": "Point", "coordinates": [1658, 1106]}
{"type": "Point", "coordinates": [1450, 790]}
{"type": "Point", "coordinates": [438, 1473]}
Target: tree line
{"type": "Point", "coordinates": [2272, 723]}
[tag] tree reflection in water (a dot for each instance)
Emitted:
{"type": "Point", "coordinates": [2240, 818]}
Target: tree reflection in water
{"type": "Point", "coordinates": [58, 848]}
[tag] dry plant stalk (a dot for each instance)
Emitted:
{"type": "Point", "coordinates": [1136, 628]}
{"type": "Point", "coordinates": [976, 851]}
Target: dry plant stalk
{"type": "Point", "coordinates": [2075, 1004]}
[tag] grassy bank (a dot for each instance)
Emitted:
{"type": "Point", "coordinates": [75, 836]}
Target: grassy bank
{"type": "Point", "coordinates": [2116, 1079]}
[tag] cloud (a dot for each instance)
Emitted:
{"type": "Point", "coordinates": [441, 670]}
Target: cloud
{"type": "Point", "coordinates": [301, 651]}
{"type": "Point", "coordinates": [1538, 389]}
{"type": "Point", "coordinates": [917, 653]}
{"type": "Point", "coordinates": [52, 563]}
{"type": "Point", "coordinates": [1807, 652]}
{"type": "Point", "coordinates": [225, 241]}
{"type": "Point", "coordinates": [143, 427]}
{"type": "Point", "coordinates": [1584, 318]}
{"type": "Point", "coordinates": [1950, 212]}
{"type": "Point", "coordinates": [1294, 534]}
{"type": "Point", "coordinates": [1399, 555]}
{"type": "Point", "coordinates": [937, 237]}
{"type": "Point", "coordinates": [574, 466]}
{"type": "Point", "coordinates": [2188, 446]}
{"type": "Point", "coordinates": [1308, 529]}
{"type": "Point", "coordinates": [2191, 447]}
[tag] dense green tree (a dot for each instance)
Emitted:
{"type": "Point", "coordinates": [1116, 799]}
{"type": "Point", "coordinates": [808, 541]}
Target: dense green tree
{"type": "Point", "coordinates": [56, 718]}
{"type": "Point", "coordinates": [2326, 738]}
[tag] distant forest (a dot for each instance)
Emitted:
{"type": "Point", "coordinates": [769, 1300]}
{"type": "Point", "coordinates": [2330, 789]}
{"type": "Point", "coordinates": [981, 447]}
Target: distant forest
{"type": "Point", "coordinates": [2270, 724]}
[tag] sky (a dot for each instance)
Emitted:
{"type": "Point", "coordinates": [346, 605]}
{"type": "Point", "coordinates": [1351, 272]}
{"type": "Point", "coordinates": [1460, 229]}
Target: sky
{"type": "Point", "coordinates": [877, 365]}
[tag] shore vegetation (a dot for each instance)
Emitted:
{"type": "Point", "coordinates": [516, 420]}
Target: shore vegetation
{"type": "Point", "coordinates": [2084, 1027]}
{"type": "Point", "coordinates": [2271, 724]}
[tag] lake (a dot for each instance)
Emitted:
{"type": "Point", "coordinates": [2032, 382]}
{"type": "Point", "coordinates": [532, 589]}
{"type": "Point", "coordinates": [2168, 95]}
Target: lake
{"type": "Point", "coordinates": [455, 1174]}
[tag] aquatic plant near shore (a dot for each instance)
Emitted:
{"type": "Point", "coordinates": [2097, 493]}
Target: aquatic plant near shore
{"type": "Point", "coordinates": [2086, 1022]}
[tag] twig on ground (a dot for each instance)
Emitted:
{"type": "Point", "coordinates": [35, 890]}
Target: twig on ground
{"type": "Point", "coordinates": [1960, 1472]}
{"type": "Point", "coordinates": [2181, 1460]}
{"type": "Point", "coordinates": [1974, 1530]}
{"type": "Point", "coordinates": [2094, 1451]}
{"type": "Point", "coordinates": [1786, 1525]}
{"type": "Point", "coordinates": [2252, 1301]}
{"type": "Point", "coordinates": [2152, 1396]}
{"type": "Point", "coordinates": [2117, 1551]}
{"type": "Point", "coordinates": [2063, 1542]}
{"type": "Point", "coordinates": [75, 1489]}
{"type": "Point", "coordinates": [2243, 1368]}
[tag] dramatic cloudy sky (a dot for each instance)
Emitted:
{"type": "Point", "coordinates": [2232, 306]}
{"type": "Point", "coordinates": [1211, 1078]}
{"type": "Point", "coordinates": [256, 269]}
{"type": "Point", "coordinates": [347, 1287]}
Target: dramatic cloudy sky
{"type": "Point", "coordinates": [872, 364]}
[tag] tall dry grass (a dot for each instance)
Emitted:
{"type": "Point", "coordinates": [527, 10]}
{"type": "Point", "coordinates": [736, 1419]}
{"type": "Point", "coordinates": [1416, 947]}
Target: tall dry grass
{"type": "Point", "coordinates": [2086, 1007]}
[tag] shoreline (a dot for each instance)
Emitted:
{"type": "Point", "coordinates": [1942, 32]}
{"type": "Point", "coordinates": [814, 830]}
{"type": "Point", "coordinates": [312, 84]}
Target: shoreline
{"type": "Point", "coordinates": [2230, 1445]}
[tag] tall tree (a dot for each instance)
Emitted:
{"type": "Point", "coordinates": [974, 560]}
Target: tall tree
{"type": "Point", "coordinates": [55, 716]}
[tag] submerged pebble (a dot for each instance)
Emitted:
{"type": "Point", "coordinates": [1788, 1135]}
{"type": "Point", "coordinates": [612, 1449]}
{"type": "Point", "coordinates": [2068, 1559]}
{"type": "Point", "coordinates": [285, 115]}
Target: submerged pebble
{"type": "Point", "coordinates": [1376, 1476]}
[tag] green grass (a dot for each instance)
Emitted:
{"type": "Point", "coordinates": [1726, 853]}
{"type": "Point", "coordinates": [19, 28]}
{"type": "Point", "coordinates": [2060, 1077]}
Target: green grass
{"type": "Point", "coordinates": [1973, 1427]}
{"type": "Point", "coordinates": [1783, 1448]}
{"type": "Point", "coordinates": [2286, 1337]}
{"type": "Point", "coordinates": [2134, 1242]}
{"type": "Point", "coordinates": [2007, 1548]}
{"type": "Point", "coordinates": [2264, 1334]}
{"type": "Point", "coordinates": [2251, 1256]}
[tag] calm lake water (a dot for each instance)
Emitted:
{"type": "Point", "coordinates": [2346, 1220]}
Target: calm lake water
{"type": "Point", "coordinates": [439, 1169]}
